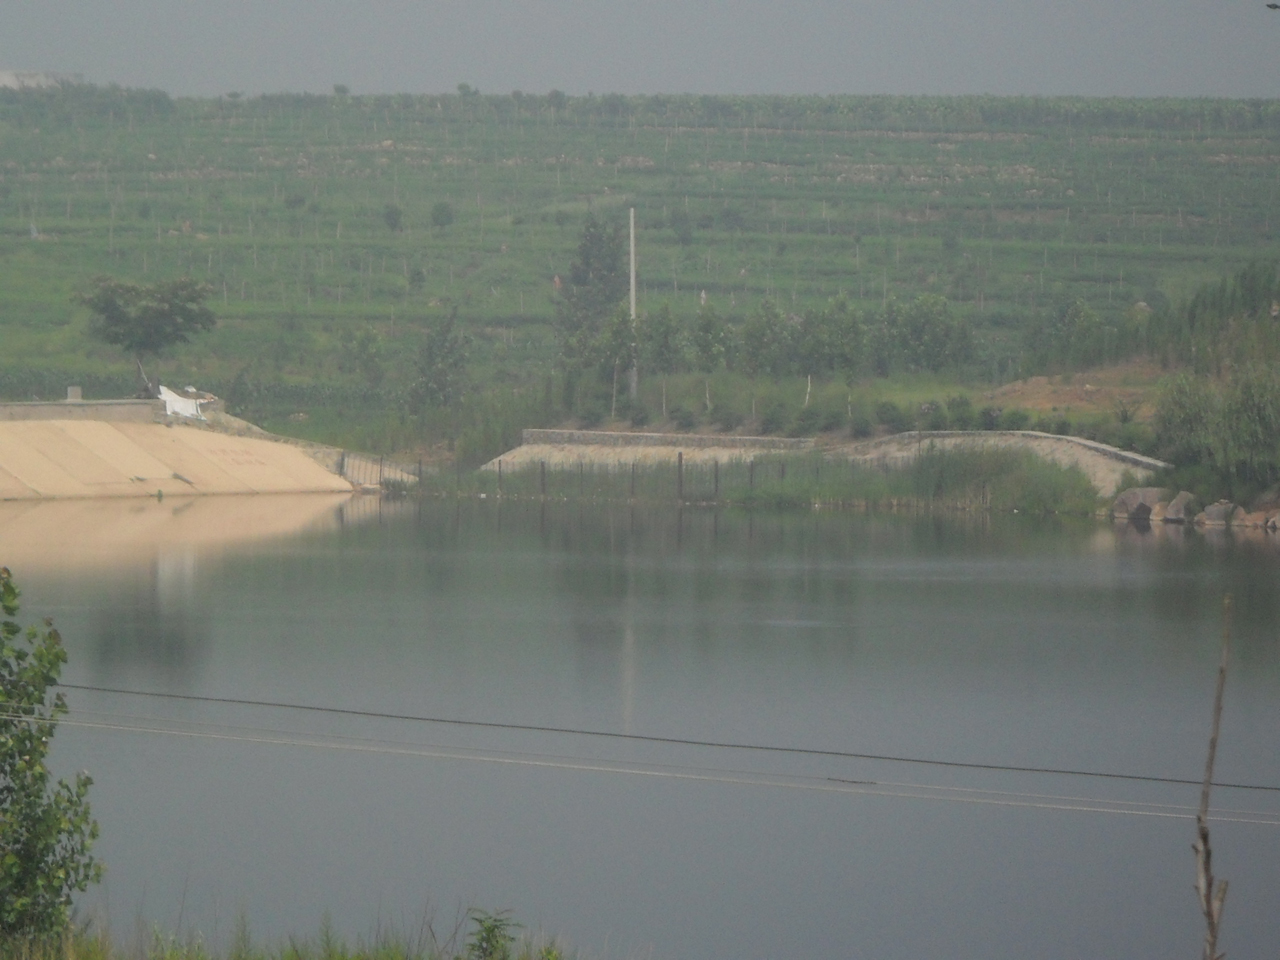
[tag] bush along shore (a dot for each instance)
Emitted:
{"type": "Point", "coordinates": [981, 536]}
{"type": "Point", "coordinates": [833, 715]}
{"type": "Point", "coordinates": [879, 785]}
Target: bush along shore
{"type": "Point", "coordinates": [985, 480]}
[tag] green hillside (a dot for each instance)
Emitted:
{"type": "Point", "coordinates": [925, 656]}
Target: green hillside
{"type": "Point", "coordinates": [334, 229]}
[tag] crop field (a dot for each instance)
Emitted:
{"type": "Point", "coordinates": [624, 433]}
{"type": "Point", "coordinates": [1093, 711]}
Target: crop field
{"type": "Point", "coordinates": [332, 229]}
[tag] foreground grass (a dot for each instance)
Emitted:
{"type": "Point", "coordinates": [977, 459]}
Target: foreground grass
{"type": "Point", "coordinates": [984, 480]}
{"type": "Point", "coordinates": [476, 936]}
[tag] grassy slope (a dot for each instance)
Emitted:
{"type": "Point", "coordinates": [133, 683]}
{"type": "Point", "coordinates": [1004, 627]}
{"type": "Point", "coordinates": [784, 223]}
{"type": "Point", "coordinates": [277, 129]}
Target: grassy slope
{"type": "Point", "coordinates": [280, 204]}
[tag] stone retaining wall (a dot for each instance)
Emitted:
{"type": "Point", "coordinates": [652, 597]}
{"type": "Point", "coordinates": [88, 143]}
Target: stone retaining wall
{"type": "Point", "coordinates": [1106, 450]}
{"type": "Point", "coordinates": [111, 411]}
{"type": "Point", "coordinates": [601, 438]}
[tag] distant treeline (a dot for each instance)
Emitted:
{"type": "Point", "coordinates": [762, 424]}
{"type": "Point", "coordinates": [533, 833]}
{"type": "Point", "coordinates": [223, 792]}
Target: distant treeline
{"type": "Point", "coordinates": [77, 104]}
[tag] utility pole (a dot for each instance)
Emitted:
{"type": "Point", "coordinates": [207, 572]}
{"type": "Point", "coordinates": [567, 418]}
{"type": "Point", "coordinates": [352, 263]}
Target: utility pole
{"type": "Point", "coordinates": [633, 376]}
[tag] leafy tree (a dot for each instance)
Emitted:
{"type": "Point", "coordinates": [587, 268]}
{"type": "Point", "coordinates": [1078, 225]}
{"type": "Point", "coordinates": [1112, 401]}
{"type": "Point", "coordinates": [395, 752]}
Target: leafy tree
{"type": "Point", "coordinates": [45, 834]}
{"type": "Point", "coordinates": [1074, 336]}
{"type": "Point", "coordinates": [933, 338]}
{"type": "Point", "coordinates": [1231, 428]}
{"type": "Point", "coordinates": [1186, 420]}
{"type": "Point", "coordinates": [362, 355]}
{"type": "Point", "coordinates": [766, 341]}
{"type": "Point", "coordinates": [710, 340]}
{"type": "Point", "coordinates": [442, 364]}
{"type": "Point", "coordinates": [661, 344]}
{"type": "Point", "coordinates": [1251, 425]}
{"type": "Point", "coordinates": [442, 213]}
{"type": "Point", "coordinates": [662, 341]}
{"type": "Point", "coordinates": [614, 349]}
{"type": "Point", "coordinates": [393, 217]}
{"type": "Point", "coordinates": [923, 335]}
{"type": "Point", "coordinates": [597, 284]}
{"type": "Point", "coordinates": [146, 319]}
{"type": "Point", "coordinates": [829, 341]}
{"type": "Point", "coordinates": [884, 340]}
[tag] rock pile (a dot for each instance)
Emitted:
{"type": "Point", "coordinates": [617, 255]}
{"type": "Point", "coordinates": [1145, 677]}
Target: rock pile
{"type": "Point", "coordinates": [1148, 505]}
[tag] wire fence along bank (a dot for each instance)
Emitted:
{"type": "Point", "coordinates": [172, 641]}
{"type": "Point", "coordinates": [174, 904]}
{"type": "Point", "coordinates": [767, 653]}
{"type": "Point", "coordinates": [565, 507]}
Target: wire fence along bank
{"type": "Point", "coordinates": [988, 479]}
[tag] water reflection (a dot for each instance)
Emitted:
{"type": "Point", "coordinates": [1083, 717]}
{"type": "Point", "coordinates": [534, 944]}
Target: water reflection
{"type": "Point", "coordinates": [153, 622]}
{"type": "Point", "coordinates": [131, 569]}
{"type": "Point", "coordinates": [1005, 640]}
{"type": "Point", "coordinates": [81, 535]}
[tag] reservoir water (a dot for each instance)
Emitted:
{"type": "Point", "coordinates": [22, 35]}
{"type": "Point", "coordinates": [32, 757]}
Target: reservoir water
{"type": "Point", "coordinates": [922, 673]}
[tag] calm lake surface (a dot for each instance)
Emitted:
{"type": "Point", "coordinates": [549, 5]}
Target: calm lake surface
{"type": "Point", "coordinates": [1014, 643]}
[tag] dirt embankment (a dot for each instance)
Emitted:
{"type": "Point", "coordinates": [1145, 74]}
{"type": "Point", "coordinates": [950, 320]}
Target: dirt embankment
{"type": "Point", "coordinates": [1131, 387]}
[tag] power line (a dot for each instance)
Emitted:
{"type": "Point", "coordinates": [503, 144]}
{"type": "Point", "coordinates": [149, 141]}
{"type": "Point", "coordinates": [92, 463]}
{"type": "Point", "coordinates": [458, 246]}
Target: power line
{"type": "Point", "coordinates": [914, 791]}
{"type": "Point", "coordinates": [677, 741]}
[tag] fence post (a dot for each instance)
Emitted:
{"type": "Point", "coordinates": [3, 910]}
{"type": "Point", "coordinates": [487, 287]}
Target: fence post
{"type": "Point", "coordinates": [380, 471]}
{"type": "Point", "coordinates": [680, 475]}
{"type": "Point", "coordinates": [542, 477]}
{"type": "Point", "coordinates": [419, 471]}
{"type": "Point", "coordinates": [751, 474]}
{"type": "Point", "coordinates": [582, 469]}
{"type": "Point", "coordinates": [499, 478]}
{"type": "Point", "coordinates": [715, 474]}
{"type": "Point", "coordinates": [782, 472]}
{"type": "Point", "coordinates": [342, 464]}
{"type": "Point", "coordinates": [633, 479]}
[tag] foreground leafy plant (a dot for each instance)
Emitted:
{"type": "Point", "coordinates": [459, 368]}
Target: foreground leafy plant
{"type": "Point", "coordinates": [45, 835]}
{"type": "Point", "coordinates": [492, 937]}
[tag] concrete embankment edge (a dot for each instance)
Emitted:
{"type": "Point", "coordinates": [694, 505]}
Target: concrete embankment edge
{"type": "Point", "coordinates": [74, 459]}
{"type": "Point", "coordinates": [1104, 465]}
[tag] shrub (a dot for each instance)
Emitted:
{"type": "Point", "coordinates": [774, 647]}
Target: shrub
{"type": "Point", "coordinates": [806, 422]}
{"type": "Point", "coordinates": [960, 410]}
{"type": "Point", "coordinates": [890, 415]}
{"type": "Point", "coordinates": [45, 835]}
{"type": "Point", "coordinates": [989, 418]}
{"type": "Point", "coordinates": [727, 418]}
{"type": "Point", "coordinates": [832, 420]}
{"type": "Point", "coordinates": [860, 426]}
{"type": "Point", "coordinates": [684, 418]}
{"type": "Point", "coordinates": [774, 417]}
{"type": "Point", "coordinates": [933, 416]}
{"type": "Point", "coordinates": [1015, 420]}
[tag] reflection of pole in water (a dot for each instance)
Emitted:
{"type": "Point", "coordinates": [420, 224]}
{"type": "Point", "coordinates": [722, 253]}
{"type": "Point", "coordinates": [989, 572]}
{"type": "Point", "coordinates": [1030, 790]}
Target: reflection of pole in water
{"type": "Point", "coordinates": [628, 669]}
{"type": "Point", "coordinates": [628, 653]}
{"type": "Point", "coordinates": [152, 622]}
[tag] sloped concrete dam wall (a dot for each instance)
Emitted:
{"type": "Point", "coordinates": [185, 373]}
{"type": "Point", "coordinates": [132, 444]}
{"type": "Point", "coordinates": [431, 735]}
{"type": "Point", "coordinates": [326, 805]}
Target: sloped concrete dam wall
{"type": "Point", "coordinates": [57, 459]}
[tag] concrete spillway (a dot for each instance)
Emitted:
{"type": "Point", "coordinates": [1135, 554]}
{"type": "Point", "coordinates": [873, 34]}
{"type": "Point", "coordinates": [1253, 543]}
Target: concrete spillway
{"type": "Point", "coordinates": [65, 459]}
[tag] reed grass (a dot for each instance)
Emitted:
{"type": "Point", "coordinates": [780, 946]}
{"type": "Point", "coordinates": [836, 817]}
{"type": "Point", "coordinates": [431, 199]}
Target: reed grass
{"type": "Point", "coordinates": [464, 940]}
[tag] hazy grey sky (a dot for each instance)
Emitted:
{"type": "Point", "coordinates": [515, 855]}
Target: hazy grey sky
{"type": "Point", "coordinates": [1127, 47]}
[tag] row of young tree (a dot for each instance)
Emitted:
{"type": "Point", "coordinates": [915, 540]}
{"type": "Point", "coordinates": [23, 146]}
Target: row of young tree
{"type": "Point", "coordinates": [595, 332]}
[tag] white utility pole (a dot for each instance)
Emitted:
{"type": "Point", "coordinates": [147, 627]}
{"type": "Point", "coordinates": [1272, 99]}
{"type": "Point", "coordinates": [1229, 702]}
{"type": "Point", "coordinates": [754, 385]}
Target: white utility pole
{"type": "Point", "coordinates": [633, 382]}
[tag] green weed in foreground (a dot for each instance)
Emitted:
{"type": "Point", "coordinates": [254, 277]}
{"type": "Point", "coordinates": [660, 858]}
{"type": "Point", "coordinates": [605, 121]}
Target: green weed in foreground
{"type": "Point", "coordinates": [477, 936]}
{"type": "Point", "coordinates": [991, 480]}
